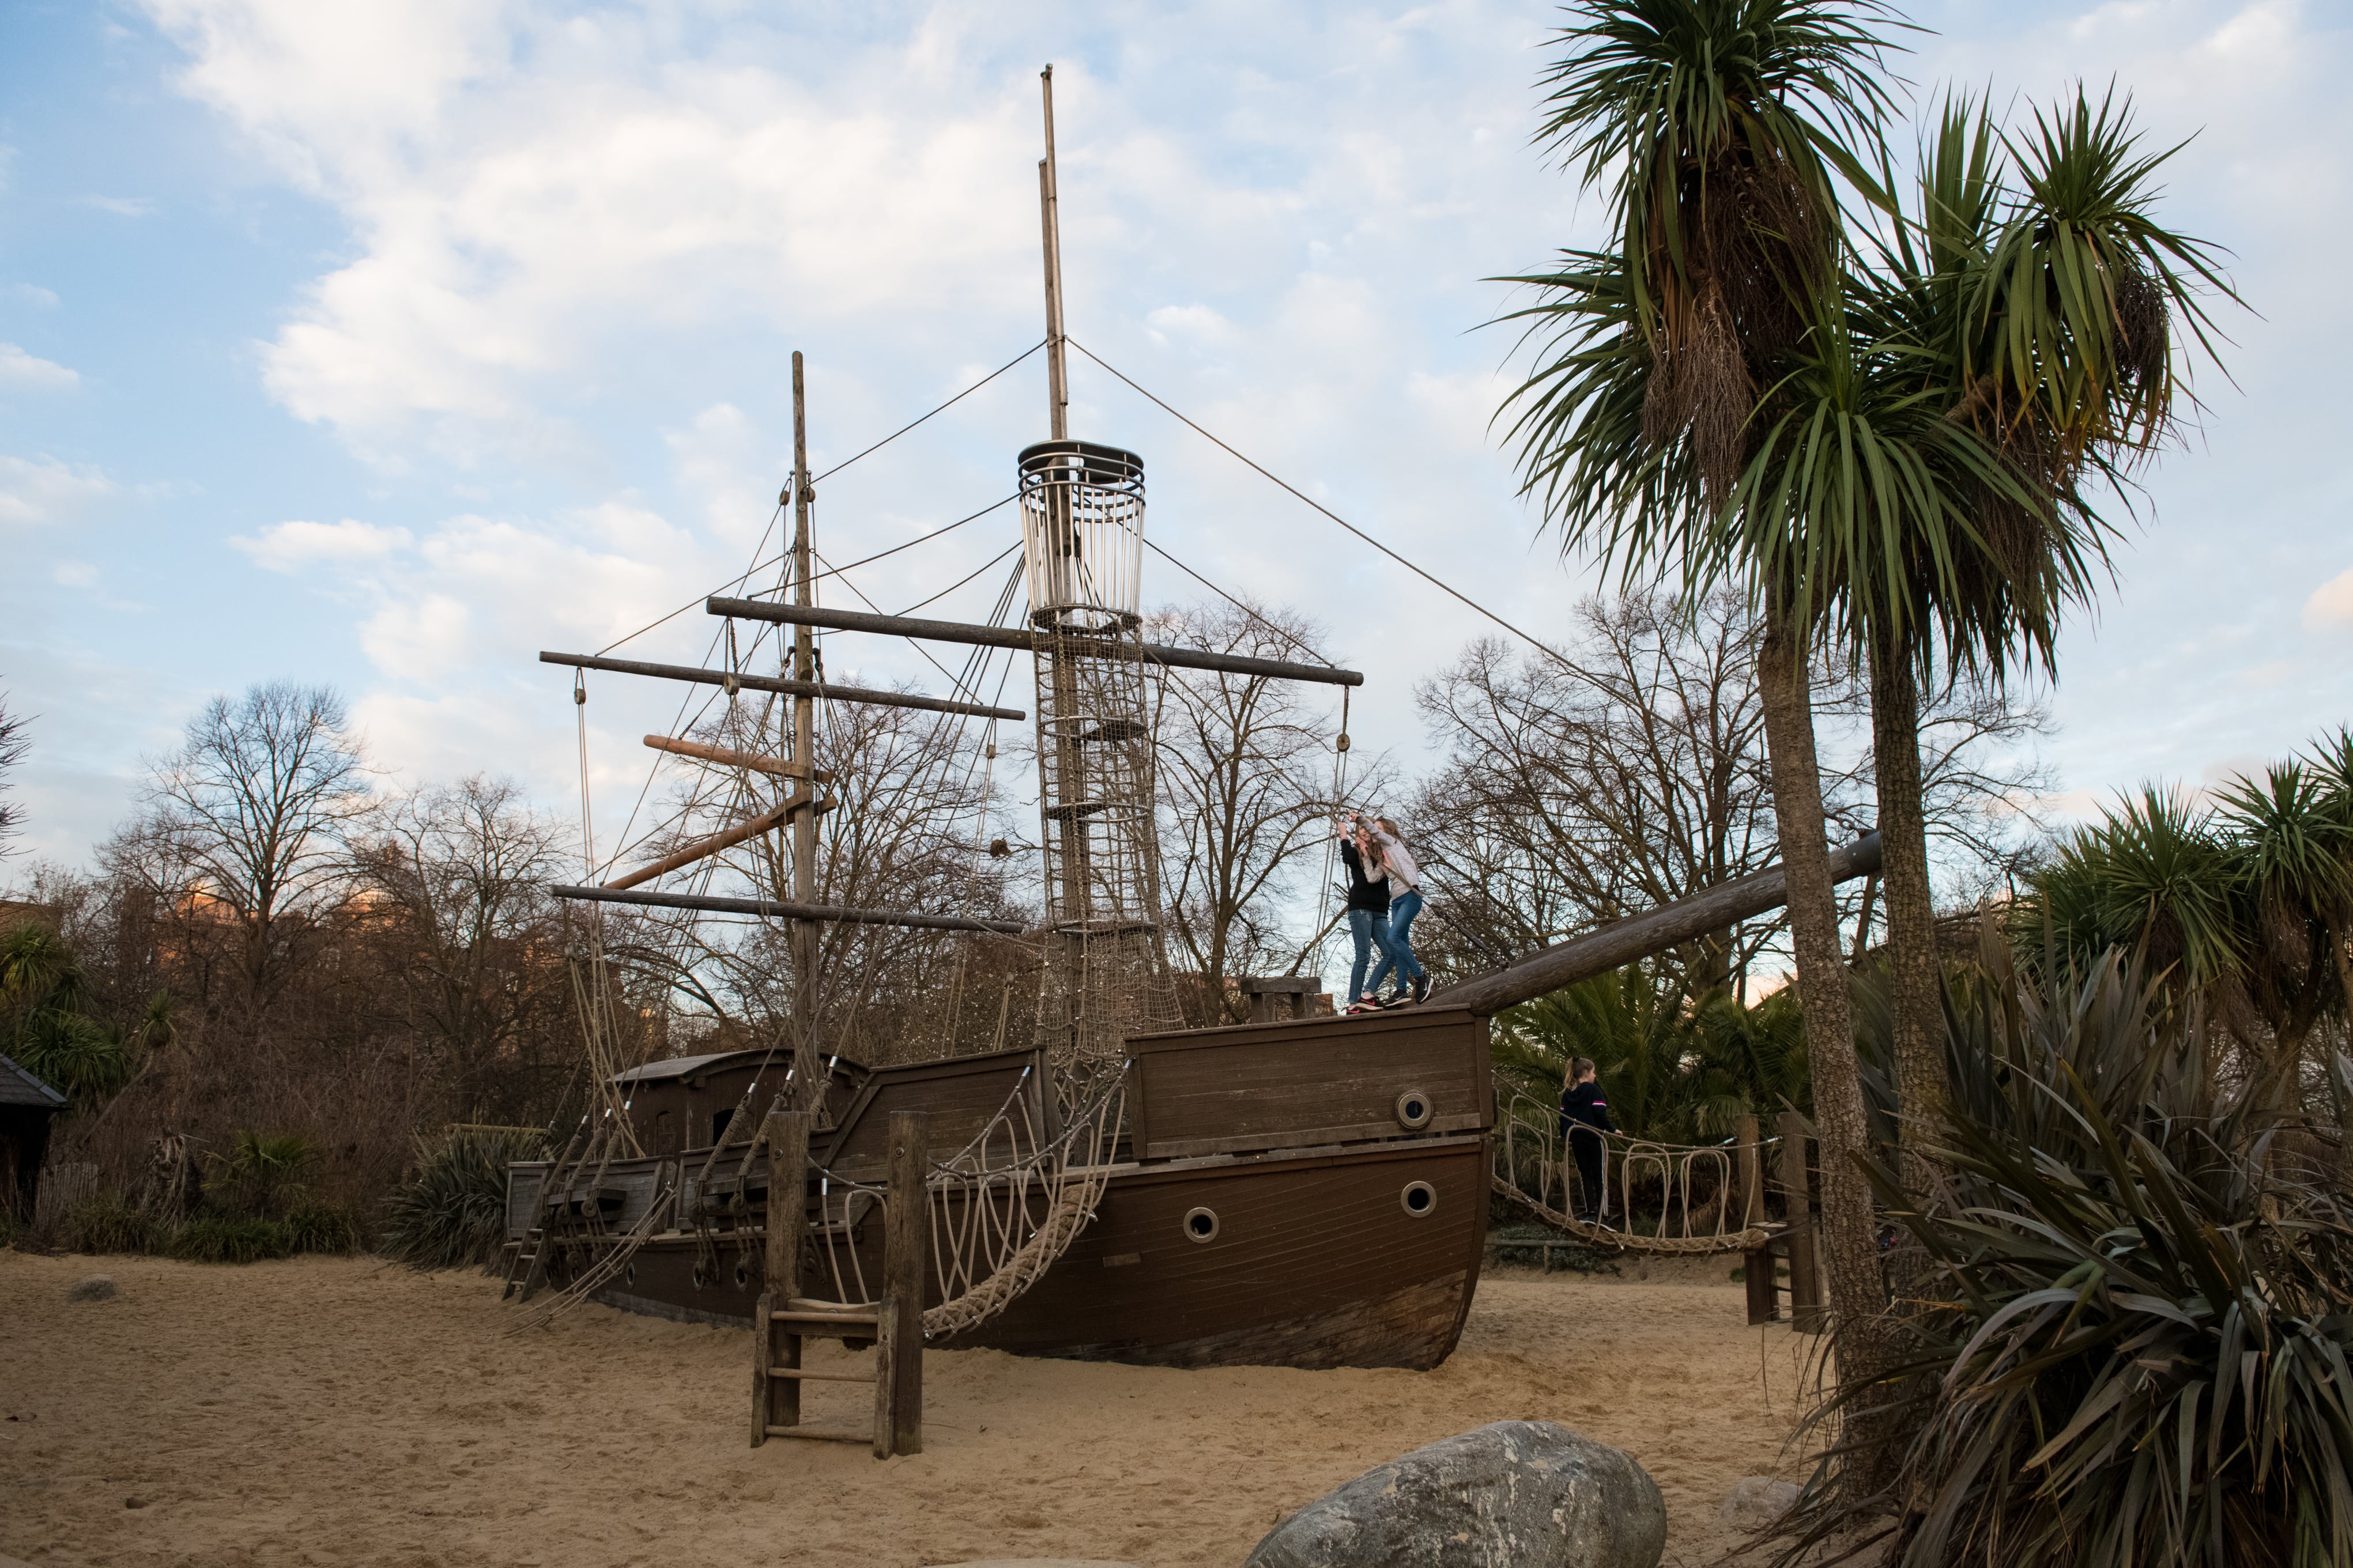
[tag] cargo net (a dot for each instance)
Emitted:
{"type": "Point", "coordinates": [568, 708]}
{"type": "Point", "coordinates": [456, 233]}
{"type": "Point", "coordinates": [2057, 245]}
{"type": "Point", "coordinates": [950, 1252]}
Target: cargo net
{"type": "Point", "coordinates": [1107, 971]}
{"type": "Point", "coordinates": [1002, 1210]}
{"type": "Point", "coordinates": [1643, 1195]}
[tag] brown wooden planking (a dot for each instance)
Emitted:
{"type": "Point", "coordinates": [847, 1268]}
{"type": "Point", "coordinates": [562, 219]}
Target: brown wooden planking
{"type": "Point", "coordinates": [962, 1094]}
{"type": "Point", "coordinates": [1317, 1263]}
{"type": "Point", "coordinates": [1303, 1081]}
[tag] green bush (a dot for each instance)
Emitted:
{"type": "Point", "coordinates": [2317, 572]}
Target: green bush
{"type": "Point", "coordinates": [324, 1228]}
{"type": "Point", "coordinates": [453, 1210]}
{"type": "Point", "coordinates": [2131, 1339]}
{"type": "Point", "coordinates": [220, 1238]}
{"type": "Point", "coordinates": [108, 1223]}
{"type": "Point", "coordinates": [262, 1174]}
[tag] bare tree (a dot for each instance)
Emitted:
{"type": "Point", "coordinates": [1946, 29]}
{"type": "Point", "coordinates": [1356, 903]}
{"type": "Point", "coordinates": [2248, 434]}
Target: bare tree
{"type": "Point", "coordinates": [914, 799]}
{"type": "Point", "coordinates": [458, 874]}
{"type": "Point", "coordinates": [249, 812]}
{"type": "Point", "coordinates": [1246, 776]}
{"type": "Point", "coordinates": [15, 743]}
{"type": "Point", "coordinates": [1576, 793]}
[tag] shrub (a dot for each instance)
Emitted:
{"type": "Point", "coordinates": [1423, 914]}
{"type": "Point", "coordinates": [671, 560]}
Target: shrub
{"type": "Point", "coordinates": [263, 1174]}
{"type": "Point", "coordinates": [222, 1238]}
{"type": "Point", "coordinates": [453, 1210]}
{"type": "Point", "coordinates": [2131, 1346]}
{"type": "Point", "coordinates": [108, 1223]}
{"type": "Point", "coordinates": [324, 1228]}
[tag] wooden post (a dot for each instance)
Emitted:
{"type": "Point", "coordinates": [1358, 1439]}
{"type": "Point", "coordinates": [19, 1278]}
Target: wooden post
{"type": "Point", "coordinates": [1796, 1192]}
{"type": "Point", "coordinates": [886, 1382]}
{"type": "Point", "coordinates": [1756, 1264]}
{"type": "Point", "coordinates": [906, 1221]}
{"type": "Point", "coordinates": [809, 1079]}
{"type": "Point", "coordinates": [776, 1401]}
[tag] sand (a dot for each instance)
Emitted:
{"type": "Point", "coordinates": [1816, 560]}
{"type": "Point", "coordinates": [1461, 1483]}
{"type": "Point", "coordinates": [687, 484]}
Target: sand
{"type": "Point", "coordinates": [335, 1411]}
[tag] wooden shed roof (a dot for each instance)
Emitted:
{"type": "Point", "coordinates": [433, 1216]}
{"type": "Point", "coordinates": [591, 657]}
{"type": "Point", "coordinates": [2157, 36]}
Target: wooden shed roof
{"type": "Point", "coordinates": [18, 1086]}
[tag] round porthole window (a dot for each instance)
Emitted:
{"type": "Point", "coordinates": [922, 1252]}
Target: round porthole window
{"type": "Point", "coordinates": [1413, 1110]}
{"type": "Point", "coordinates": [702, 1278]}
{"type": "Point", "coordinates": [632, 1275]}
{"type": "Point", "coordinates": [743, 1275]}
{"type": "Point", "coordinates": [1201, 1224]}
{"type": "Point", "coordinates": [1419, 1198]}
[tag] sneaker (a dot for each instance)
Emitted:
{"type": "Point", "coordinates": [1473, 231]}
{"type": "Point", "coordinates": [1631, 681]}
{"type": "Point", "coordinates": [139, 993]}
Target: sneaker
{"type": "Point", "coordinates": [1368, 1003]}
{"type": "Point", "coordinates": [1421, 986]}
{"type": "Point", "coordinates": [1400, 997]}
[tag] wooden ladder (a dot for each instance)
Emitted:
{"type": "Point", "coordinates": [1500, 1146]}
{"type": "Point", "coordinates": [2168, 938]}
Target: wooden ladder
{"type": "Point", "coordinates": [785, 1321]}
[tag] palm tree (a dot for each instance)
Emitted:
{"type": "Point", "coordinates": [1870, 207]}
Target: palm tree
{"type": "Point", "coordinates": [2248, 905]}
{"type": "Point", "coordinates": [1718, 126]}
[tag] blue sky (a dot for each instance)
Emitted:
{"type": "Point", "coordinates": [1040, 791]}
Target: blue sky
{"type": "Point", "coordinates": [383, 345]}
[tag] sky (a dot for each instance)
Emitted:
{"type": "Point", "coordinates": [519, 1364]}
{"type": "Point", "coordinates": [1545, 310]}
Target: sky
{"type": "Point", "coordinates": [383, 345]}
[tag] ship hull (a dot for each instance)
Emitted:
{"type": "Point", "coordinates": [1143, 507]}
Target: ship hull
{"type": "Point", "coordinates": [1261, 1214]}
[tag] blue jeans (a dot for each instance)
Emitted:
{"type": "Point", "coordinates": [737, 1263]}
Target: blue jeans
{"type": "Point", "coordinates": [1371, 930]}
{"type": "Point", "coordinates": [1401, 963]}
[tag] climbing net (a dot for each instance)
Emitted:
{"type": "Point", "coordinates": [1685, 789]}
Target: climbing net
{"type": "Point", "coordinates": [1001, 1211]}
{"type": "Point", "coordinates": [1653, 1197]}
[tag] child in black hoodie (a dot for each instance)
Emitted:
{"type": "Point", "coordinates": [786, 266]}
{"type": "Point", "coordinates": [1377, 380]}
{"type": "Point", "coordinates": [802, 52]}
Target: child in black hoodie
{"type": "Point", "coordinates": [1583, 1118]}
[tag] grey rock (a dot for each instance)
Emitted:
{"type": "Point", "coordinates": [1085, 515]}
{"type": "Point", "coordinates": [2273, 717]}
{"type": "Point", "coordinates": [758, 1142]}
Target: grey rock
{"type": "Point", "coordinates": [1752, 1503]}
{"type": "Point", "coordinates": [93, 1287]}
{"type": "Point", "coordinates": [1514, 1494]}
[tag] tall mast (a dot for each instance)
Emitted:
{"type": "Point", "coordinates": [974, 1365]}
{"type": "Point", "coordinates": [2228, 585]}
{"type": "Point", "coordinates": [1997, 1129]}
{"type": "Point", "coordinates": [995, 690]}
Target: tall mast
{"type": "Point", "coordinates": [808, 1082]}
{"type": "Point", "coordinates": [1058, 386]}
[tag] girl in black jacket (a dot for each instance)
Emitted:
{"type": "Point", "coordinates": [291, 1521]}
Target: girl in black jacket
{"type": "Point", "coordinates": [1584, 1119]}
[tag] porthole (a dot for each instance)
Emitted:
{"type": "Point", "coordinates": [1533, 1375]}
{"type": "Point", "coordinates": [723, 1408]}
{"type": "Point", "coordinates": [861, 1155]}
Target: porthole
{"type": "Point", "coordinates": [1419, 1198]}
{"type": "Point", "coordinates": [1201, 1224]}
{"type": "Point", "coordinates": [632, 1275]}
{"type": "Point", "coordinates": [1413, 1110]}
{"type": "Point", "coordinates": [743, 1275]}
{"type": "Point", "coordinates": [702, 1277]}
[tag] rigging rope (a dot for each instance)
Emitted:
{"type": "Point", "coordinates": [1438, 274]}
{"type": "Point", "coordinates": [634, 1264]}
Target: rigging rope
{"type": "Point", "coordinates": [1319, 506]}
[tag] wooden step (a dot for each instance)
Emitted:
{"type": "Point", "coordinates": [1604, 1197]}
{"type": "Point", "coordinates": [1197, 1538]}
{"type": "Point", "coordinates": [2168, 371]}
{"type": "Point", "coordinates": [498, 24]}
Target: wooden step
{"type": "Point", "coordinates": [823, 1434]}
{"type": "Point", "coordinates": [793, 1372]}
{"type": "Point", "coordinates": [844, 1319]}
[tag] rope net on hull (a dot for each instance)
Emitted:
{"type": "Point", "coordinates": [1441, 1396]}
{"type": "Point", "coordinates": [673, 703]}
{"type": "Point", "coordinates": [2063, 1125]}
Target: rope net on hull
{"type": "Point", "coordinates": [1682, 1193]}
{"type": "Point", "coordinates": [1001, 1211]}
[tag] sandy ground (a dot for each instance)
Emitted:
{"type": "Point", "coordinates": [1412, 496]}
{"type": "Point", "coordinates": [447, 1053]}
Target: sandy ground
{"type": "Point", "coordinates": [331, 1412]}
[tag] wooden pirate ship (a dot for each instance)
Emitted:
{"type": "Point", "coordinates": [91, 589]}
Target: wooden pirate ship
{"type": "Point", "coordinates": [1308, 1191]}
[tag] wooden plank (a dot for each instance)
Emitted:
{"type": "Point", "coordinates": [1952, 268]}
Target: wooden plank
{"type": "Point", "coordinates": [787, 1138]}
{"type": "Point", "coordinates": [962, 1094]}
{"type": "Point", "coordinates": [1307, 1081]}
{"type": "Point", "coordinates": [704, 848]}
{"type": "Point", "coordinates": [822, 1433]}
{"type": "Point", "coordinates": [798, 1375]}
{"type": "Point", "coordinates": [1622, 942]}
{"type": "Point", "coordinates": [970, 636]}
{"type": "Point", "coordinates": [780, 767]}
{"type": "Point", "coordinates": [773, 910]}
{"type": "Point", "coordinates": [1805, 1313]}
{"type": "Point", "coordinates": [906, 1222]}
{"type": "Point", "coordinates": [789, 687]}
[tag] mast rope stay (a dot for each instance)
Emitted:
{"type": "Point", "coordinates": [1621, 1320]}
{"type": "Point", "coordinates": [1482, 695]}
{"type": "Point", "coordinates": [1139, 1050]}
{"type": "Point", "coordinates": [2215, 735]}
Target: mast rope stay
{"type": "Point", "coordinates": [1283, 484]}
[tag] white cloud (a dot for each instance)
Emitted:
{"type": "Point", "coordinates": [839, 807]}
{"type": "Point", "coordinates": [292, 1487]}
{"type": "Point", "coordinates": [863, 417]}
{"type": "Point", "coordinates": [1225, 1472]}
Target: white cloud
{"type": "Point", "coordinates": [290, 546]}
{"type": "Point", "coordinates": [76, 574]}
{"type": "Point", "coordinates": [2331, 605]}
{"type": "Point", "coordinates": [42, 490]}
{"type": "Point", "coordinates": [18, 368]}
{"type": "Point", "coordinates": [420, 640]}
{"type": "Point", "coordinates": [33, 294]}
{"type": "Point", "coordinates": [122, 207]}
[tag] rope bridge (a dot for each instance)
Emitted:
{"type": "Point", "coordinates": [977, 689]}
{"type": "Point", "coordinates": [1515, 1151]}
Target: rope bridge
{"type": "Point", "coordinates": [1533, 1159]}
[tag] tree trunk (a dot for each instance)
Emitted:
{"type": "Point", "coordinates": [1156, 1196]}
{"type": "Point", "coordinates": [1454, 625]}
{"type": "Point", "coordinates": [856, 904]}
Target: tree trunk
{"type": "Point", "coordinates": [1923, 1084]}
{"type": "Point", "coordinates": [1849, 1231]}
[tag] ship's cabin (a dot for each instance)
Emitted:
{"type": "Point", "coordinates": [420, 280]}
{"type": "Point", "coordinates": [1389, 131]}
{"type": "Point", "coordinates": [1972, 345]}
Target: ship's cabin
{"type": "Point", "coordinates": [683, 1104]}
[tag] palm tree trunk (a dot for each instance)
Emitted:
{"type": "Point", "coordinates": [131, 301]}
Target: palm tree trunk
{"type": "Point", "coordinates": [1923, 1084]}
{"type": "Point", "coordinates": [1858, 1286]}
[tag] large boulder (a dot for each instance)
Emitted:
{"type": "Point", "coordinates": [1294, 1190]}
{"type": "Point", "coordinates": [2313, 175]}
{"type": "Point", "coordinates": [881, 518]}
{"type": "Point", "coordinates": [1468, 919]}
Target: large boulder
{"type": "Point", "coordinates": [1515, 1494]}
